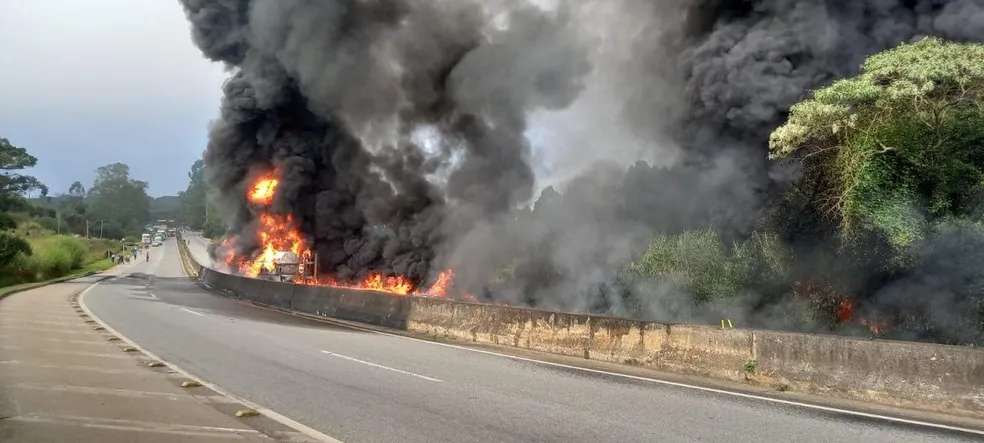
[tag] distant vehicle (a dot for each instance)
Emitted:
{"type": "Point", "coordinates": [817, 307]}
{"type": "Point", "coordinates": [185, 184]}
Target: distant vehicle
{"type": "Point", "coordinates": [145, 238]}
{"type": "Point", "coordinates": [158, 240]}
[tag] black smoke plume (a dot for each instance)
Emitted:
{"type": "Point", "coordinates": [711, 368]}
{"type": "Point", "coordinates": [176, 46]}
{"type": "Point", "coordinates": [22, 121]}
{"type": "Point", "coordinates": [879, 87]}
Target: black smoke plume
{"type": "Point", "coordinates": [400, 128]}
{"type": "Point", "coordinates": [330, 93]}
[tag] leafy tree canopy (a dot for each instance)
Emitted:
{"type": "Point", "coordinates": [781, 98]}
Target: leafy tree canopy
{"type": "Point", "coordinates": [76, 190]}
{"type": "Point", "coordinates": [193, 197]}
{"type": "Point", "coordinates": [14, 158]}
{"type": "Point", "coordinates": [119, 202]}
{"type": "Point", "coordinates": [12, 184]}
{"type": "Point", "coordinates": [897, 147]}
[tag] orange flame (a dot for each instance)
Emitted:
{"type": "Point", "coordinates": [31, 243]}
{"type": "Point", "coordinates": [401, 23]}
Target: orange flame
{"type": "Point", "coordinates": [263, 190]}
{"type": "Point", "coordinates": [375, 281]}
{"type": "Point", "coordinates": [440, 287]}
{"type": "Point", "coordinates": [845, 313]}
{"type": "Point", "coordinates": [278, 233]}
{"type": "Point", "coordinates": [876, 326]}
{"type": "Point", "coordinates": [845, 310]}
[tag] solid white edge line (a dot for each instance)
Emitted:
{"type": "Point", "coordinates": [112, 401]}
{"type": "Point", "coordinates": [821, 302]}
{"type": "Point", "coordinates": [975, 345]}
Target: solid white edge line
{"type": "Point", "coordinates": [653, 380]}
{"type": "Point", "coordinates": [375, 365]}
{"type": "Point", "coordinates": [193, 312]}
{"type": "Point", "coordinates": [304, 429]}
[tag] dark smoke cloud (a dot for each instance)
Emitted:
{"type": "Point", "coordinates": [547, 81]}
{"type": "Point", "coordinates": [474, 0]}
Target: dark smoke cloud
{"type": "Point", "coordinates": [335, 94]}
{"type": "Point", "coordinates": [701, 88]}
{"type": "Point", "coordinates": [330, 94]}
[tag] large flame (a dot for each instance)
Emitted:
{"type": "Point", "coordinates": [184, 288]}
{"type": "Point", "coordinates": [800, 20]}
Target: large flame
{"type": "Point", "coordinates": [279, 233]}
{"type": "Point", "coordinates": [263, 189]}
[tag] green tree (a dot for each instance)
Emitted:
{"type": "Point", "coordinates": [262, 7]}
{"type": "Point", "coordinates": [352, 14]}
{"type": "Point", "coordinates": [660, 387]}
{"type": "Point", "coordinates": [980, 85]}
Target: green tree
{"type": "Point", "coordinates": [76, 190]}
{"type": "Point", "coordinates": [14, 185]}
{"type": "Point", "coordinates": [118, 205]}
{"type": "Point", "coordinates": [214, 225]}
{"type": "Point", "coordinates": [194, 196]}
{"type": "Point", "coordinates": [72, 210]}
{"type": "Point", "coordinates": [897, 147]}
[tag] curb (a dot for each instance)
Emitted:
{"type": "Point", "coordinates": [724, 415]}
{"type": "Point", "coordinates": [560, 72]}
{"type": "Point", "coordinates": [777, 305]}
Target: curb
{"type": "Point", "coordinates": [301, 428]}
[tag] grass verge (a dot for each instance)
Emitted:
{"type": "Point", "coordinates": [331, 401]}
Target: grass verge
{"type": "Point", "coordinates": [92, 268]}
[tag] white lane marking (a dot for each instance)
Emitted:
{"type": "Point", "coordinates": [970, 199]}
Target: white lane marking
{"type": "Point", "coordinates": [304, 429]}
{"type": "Point", "coordinates": [653, 380]}
{"type": "Point", "coordinates": [193, 312]}
{"type": "Point", "coordinates": [412, 374]}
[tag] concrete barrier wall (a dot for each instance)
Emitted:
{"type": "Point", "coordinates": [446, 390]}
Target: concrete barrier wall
{"type": "Point", "coordinates": [679, 348]}
{"type": "Point", "coordinates": [924, 376]}
{"type": "Point", "coordinates": [920, 375]}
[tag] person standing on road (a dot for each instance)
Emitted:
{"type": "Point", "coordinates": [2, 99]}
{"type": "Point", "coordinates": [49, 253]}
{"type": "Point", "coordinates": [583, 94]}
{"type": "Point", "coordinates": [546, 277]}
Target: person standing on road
{"type": "Point", "coordinates": [148, 255]}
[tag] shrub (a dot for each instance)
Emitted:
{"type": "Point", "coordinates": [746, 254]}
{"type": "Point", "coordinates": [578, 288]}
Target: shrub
{"type": "Point", "coordinates": [10, 247]}
{"type": "Point", "coordinates": [699, 263]}
{"type": "Point", "coordinates": [46, 258]}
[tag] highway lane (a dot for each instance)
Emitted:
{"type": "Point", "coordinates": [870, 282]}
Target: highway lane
{"type": "Point", "coordinates": [198, 247]}
{"type": "Point", "coordinates": [364, 387]}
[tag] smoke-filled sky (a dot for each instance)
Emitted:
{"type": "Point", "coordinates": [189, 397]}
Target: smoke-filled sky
{"type": "Point", "coordinates": [86, 83]}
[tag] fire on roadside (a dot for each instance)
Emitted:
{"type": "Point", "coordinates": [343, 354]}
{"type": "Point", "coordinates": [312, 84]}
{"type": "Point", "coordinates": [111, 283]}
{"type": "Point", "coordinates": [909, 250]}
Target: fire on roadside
{"type": "Point", "coordinates": [845, 314]}
{"type": "Point", "coordinates": [279, 233]}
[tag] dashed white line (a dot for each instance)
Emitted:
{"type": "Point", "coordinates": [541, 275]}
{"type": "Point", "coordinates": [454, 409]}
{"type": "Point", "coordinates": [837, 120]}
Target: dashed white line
{"type": "Point", "coordinates": [193, 312]}
{"type": "Point", "coordinates": [412, 374]}
{"type": "Point", "coordinates": [848, 412]}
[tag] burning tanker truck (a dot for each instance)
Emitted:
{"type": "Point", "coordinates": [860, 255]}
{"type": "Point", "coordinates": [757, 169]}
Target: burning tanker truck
{"type": "Point", "coordinates": [284, 255]}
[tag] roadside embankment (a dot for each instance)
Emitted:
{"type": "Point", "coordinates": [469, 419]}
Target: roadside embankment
{"type": "Point", "coordinates": [914, 375]}
{"type": "Point", "coordinates": [52, 258]}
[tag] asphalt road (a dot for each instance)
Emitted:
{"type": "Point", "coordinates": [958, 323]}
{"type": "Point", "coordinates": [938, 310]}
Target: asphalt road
{"type": "Point", "coordinates": [199, 248]}
{"type": "Point", "coordinates": [365, 387]}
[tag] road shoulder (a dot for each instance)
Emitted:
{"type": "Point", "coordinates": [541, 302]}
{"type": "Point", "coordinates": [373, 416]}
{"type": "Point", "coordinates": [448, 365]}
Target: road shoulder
{"type": "Point", "coordinates": [66, 377]}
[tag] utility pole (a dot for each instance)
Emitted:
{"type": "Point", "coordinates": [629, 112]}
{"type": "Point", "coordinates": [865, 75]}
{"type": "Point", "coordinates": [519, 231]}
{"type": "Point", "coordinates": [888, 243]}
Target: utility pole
{"type": "Point", "coordinates": [101, 224]}
{"type": "Point", "coordinates": [86, 228]}
{"type": "Point", "coordinates": [58, 216]}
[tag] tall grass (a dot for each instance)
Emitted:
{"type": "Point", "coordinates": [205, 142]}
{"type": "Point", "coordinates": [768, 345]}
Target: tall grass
{"type": "Point", "coordinates": [53, 256]}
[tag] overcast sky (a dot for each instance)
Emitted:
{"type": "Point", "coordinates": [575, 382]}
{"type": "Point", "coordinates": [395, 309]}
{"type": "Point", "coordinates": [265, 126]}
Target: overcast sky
{"type": "Point", "coordinates": [87, 83]}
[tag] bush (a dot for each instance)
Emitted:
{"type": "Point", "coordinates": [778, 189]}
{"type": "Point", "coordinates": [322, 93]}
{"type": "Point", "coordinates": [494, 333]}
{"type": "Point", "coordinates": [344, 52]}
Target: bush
{"type": "Point", "coordinates": [51, 257]}
{"type": "Point", "coordinates": [56, 256]}
{"type": "Point", "coordinates": [699, 263]}
{"type": "Point", "coordinates": [12, 246]}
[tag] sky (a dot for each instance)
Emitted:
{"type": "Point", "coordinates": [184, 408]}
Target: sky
{"type": "Point", "coordinates": [89, 83]}
{"type": "Point", "coordinates": [85, 83]}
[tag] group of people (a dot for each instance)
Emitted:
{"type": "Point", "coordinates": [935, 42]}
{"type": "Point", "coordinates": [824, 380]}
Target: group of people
{"type": "Point", "coordinates": [125, 256]}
